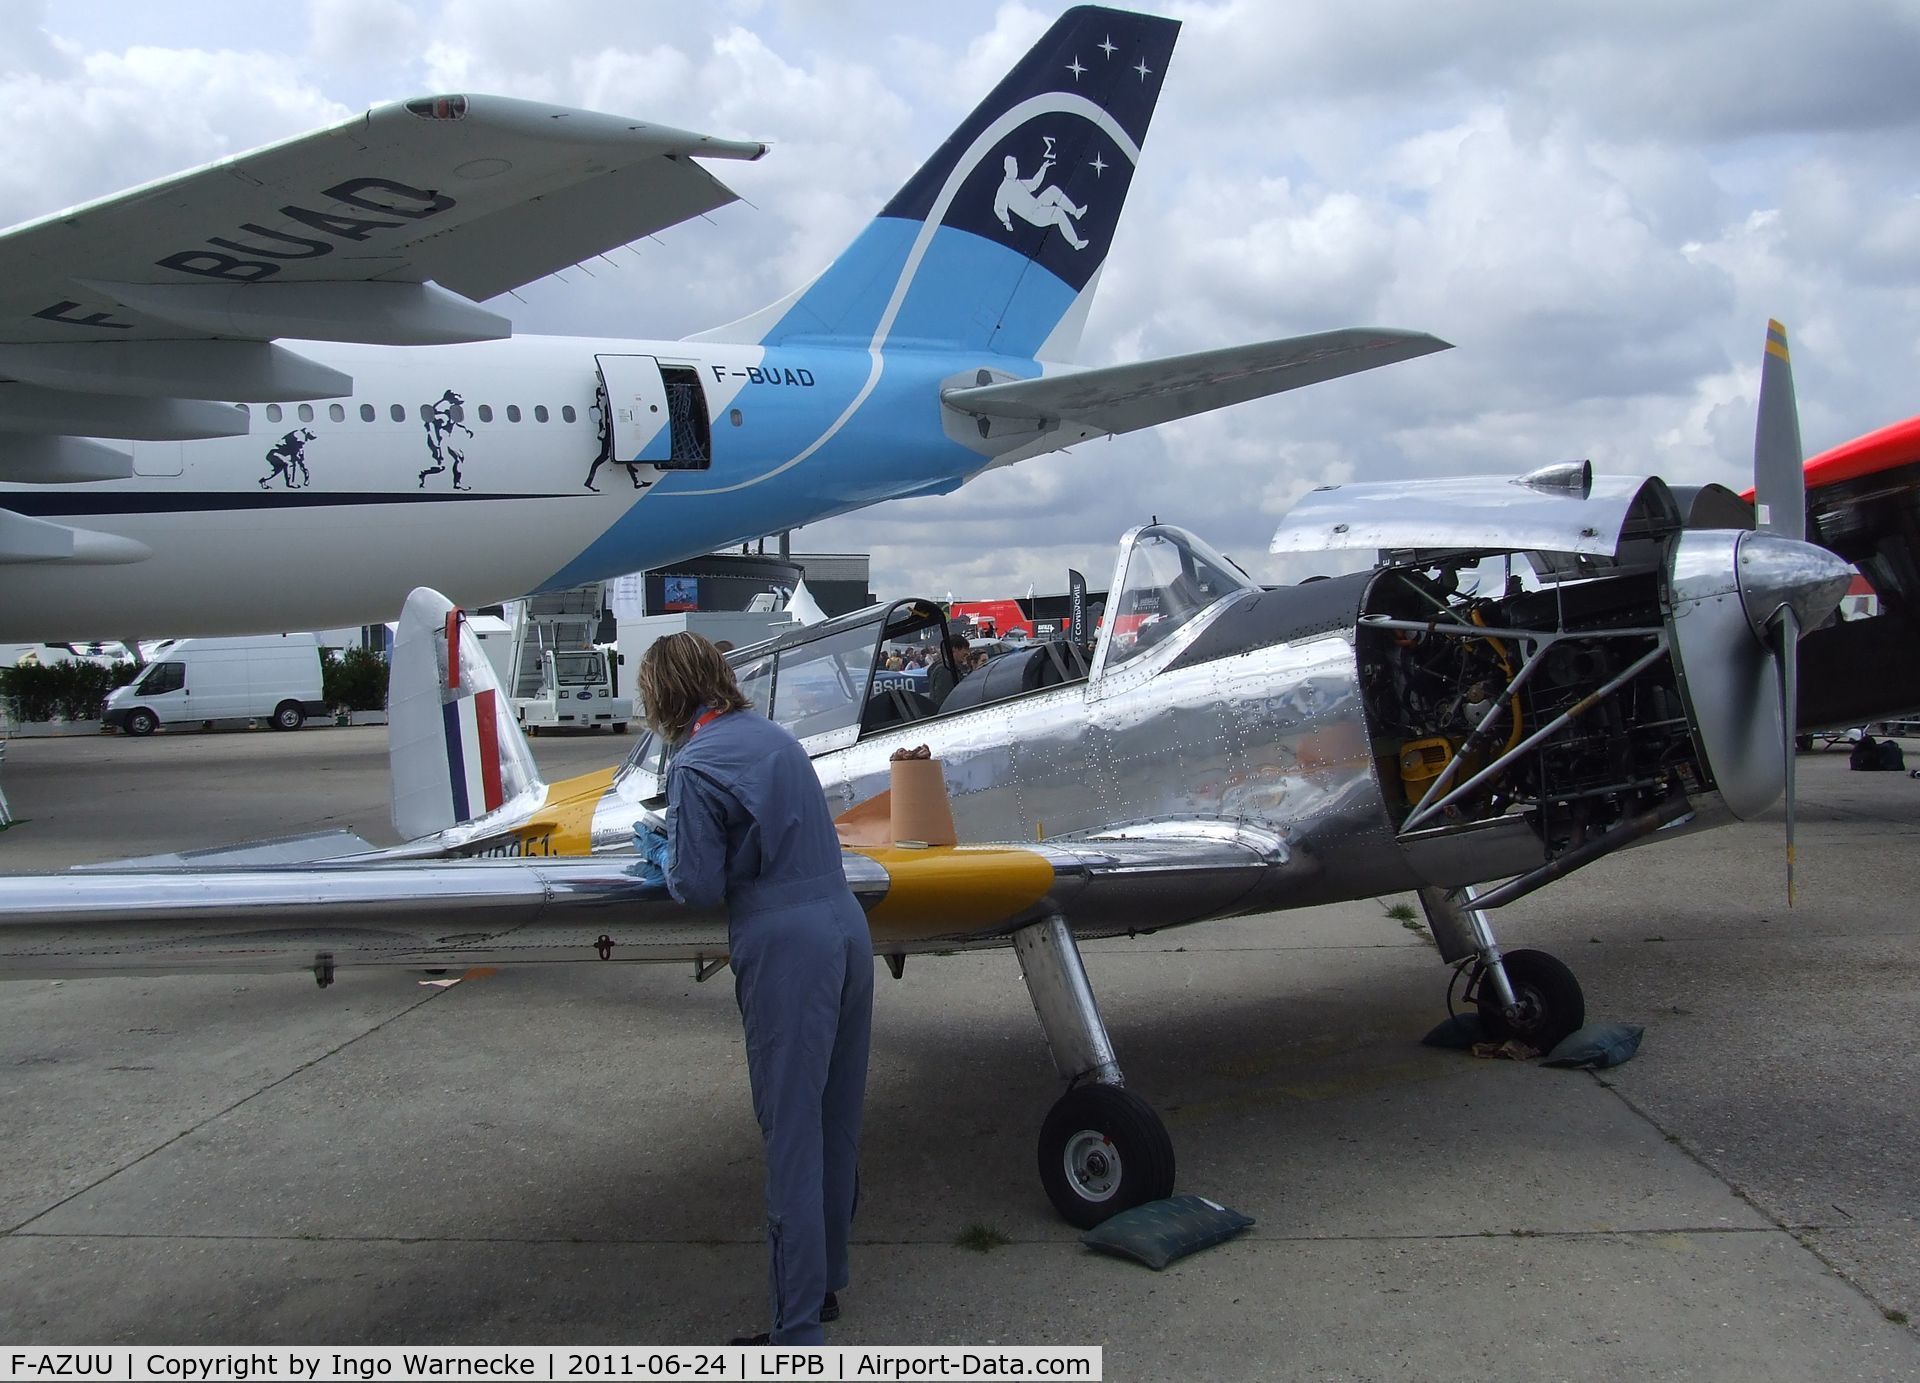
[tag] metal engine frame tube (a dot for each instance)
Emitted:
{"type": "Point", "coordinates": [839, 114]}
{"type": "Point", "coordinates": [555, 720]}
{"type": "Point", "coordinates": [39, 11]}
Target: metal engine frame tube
{"type": "Point", "coordinates": [1626, 833]}
{"type": "Point", "coordinates": [1545, 732]}
{"type": "Point", "coordinates": [1063, 1000]}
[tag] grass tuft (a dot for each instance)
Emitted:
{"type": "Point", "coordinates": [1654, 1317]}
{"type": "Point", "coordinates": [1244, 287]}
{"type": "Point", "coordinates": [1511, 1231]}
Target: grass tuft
{"type": "Point", "coordinates": [979, 1238]}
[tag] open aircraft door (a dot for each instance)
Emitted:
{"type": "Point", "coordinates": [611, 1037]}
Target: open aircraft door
{"type": "Point", "coordinates": [659, 414]}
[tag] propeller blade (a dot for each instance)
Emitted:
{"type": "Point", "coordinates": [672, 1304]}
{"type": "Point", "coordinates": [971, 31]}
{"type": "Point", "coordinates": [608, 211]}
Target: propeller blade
{"type": "Point", "coordinates": [1779, 467]}
{"type": "Point", "coordinates": [1786, 654]}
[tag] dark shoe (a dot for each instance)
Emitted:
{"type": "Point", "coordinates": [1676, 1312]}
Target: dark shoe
{"type": "Point", "coordinates": [763, 1338]}
{"type": "Point", "coordinates": [830, 1309]}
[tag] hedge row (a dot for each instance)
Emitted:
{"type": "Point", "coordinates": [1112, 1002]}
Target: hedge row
{"type": "Point", "coordinates": [353, 681]}
{"type": "Point", "coordinates": [75, 690]}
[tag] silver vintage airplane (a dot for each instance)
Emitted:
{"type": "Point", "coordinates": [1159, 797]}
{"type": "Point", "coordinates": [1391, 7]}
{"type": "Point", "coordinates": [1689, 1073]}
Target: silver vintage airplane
{"type": "Point", "coordinates": [1452, 721]}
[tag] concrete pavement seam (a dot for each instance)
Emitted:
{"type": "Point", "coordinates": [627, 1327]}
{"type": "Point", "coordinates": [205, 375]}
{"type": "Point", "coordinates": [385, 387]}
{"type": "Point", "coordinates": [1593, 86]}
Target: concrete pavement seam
{"type": "Point", "coordinates": [1797, 1232]}
{"type": "Point", "coordinates": [278, 1081]}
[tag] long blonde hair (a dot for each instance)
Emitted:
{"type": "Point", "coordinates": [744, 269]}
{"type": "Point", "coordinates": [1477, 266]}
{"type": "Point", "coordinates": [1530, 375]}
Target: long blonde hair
{"type": "Point", "coordinates": [678, 675]}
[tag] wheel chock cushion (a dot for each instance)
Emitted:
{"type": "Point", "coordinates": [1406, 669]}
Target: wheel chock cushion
{"type": "Point", "coordinates": [1457, 1032]}
{"type": "Point", "coordinates": [1597, 1046]}
{"type": "Point", "coordinates": [1163, 1232]}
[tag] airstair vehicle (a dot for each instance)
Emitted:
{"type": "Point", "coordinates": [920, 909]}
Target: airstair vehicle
{"type": "Point", "coordinates": [561, 679]}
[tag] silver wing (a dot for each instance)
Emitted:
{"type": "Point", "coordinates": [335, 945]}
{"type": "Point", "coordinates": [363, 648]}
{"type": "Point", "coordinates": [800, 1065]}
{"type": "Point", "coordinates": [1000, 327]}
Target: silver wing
{"type": "Point", "coordinates": [595, 908]}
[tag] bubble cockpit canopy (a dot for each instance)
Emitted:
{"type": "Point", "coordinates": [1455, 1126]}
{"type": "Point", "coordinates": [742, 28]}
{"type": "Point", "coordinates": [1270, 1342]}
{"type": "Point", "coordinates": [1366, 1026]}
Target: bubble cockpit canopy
{"type": "Point", "coordinates": [1164, 578]}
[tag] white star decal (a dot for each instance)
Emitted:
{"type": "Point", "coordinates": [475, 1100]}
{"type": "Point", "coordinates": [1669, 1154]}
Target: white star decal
{"type": "Point", "coordinates": [1075, 67]}
{"type": "Point", "coordinates": [1099, 165]}
{"type": "Point", "coordinates": [1143, 69]}
{"type": "Point", "coordinates": [1108, 46]}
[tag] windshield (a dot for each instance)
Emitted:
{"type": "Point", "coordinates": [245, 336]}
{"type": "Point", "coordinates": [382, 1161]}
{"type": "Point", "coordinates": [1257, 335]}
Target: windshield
{"type": "Point", "coordinates": [579, 669]}
{"type": "Point", "coordinates": [822, 686]}
{"type": "Point", "coordinates": [1166, 577]}
{"type": "Point", "coordinates": [162, 677]}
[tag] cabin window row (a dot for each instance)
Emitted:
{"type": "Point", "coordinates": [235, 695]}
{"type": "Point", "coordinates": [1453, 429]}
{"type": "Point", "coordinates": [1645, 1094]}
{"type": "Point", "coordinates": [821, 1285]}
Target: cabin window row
{"type": "Point", "coordinates": [398, 412]}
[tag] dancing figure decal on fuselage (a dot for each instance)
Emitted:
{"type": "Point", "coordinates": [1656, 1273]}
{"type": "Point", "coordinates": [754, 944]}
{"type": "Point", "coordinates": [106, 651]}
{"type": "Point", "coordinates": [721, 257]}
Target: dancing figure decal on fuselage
{"type": "Point", "coordinates": [441, 420]}
{"type": "Point", "coordinates": [605, 410]}
{"type": "Point", "coordinates": [1025, 198]}
{"type": "Point", "coordinates": [288, 455]}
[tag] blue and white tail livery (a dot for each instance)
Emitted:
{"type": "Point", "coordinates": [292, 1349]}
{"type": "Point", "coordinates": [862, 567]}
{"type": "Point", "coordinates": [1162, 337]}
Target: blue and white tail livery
{"type": "Point", "coordinates": [996, 244]}
{"type": "Point", "coordinates": [930, 350]}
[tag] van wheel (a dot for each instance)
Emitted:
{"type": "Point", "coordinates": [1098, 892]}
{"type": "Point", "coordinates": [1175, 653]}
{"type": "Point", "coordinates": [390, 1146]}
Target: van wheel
{"type": "Point", "coordinates": [141, 722]}
{"type": "Point", "coordinates": [288, 716]}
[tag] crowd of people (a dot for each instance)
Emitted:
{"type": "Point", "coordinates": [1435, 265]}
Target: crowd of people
{"type": "Point", "coordinates": [965, 657]}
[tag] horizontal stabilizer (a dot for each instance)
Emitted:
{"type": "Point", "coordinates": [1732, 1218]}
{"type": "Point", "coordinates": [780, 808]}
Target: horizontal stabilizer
{"type": "Point", "coordinates": [1125, 398]}
{"type": "Point", "coordinates": [310, 848]}
{"type": "Point", "coordinates": [24, 539]}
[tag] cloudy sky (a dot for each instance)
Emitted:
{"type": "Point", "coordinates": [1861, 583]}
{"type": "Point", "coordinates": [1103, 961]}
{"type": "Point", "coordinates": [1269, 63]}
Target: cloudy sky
{"type": "Point", "coordinates": [1599, 205]}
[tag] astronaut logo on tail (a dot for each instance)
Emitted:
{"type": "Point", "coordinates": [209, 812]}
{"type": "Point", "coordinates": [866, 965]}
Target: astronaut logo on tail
{"type": "Point", "coordinates": [442, 420]}
{"type": "Point", "coordinates": [1035, 204]}
{"type": "Point", "coordinates": [287, 456]}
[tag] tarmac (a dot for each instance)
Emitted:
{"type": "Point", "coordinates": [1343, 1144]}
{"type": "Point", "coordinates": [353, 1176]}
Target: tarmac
{"type": "Point", "coordinates": [567, 1154]}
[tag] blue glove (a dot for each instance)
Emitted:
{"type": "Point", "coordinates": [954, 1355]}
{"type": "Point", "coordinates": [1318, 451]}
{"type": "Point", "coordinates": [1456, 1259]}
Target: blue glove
{"type": "Point", "coordinates": [651, 845]}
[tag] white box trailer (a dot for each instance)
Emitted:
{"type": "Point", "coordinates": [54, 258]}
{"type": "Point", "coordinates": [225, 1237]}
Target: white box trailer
{"type": "Point", "coordinates": [273, 679]}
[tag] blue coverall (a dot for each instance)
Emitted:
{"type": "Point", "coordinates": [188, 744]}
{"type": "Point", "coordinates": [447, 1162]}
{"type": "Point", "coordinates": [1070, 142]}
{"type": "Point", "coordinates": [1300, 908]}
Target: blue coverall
{"type": "Point", "coordinates": [749, 823]}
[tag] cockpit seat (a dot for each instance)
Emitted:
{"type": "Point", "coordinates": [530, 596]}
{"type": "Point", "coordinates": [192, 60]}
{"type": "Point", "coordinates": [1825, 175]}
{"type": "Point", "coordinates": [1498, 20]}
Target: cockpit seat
{"type": "Point", "coordinates": [895, 706]}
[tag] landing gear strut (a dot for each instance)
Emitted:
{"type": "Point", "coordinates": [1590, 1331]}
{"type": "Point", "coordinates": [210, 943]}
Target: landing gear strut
{"type": "Point", "coordinates": [1526, 996]}
{"type": "Point", "coordinates": [1103, 1149]}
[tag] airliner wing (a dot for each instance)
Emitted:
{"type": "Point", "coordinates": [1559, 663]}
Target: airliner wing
{"type": "Point", "coordinates": [1125, 398]}
{"type": "Point", "coordinates": [478, 194]}
{"type": "Point", "coordinates": [135, 316]}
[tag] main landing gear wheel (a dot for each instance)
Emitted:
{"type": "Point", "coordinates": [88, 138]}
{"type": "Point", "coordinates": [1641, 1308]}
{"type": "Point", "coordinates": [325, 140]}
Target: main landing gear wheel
{"type": "Point", "coordinates": [1549, 1000]}
{"type": "Point", "coordinates": [1103, 1150]}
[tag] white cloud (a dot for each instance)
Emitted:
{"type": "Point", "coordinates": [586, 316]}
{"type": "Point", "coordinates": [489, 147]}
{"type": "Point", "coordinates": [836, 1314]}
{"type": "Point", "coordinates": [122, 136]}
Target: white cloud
{"type": "Point", "coordinates": [1601, 206]}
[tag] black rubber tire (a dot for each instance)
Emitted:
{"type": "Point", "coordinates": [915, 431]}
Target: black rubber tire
{"type": "Point", "coordinates": [1549, 995]}
{"type": "Point", "coordinates": [1136, 1137]}
{"type": "Point", "coordinates": [141, 722]}
{"type": "Point", "coordinates": [288, 716]}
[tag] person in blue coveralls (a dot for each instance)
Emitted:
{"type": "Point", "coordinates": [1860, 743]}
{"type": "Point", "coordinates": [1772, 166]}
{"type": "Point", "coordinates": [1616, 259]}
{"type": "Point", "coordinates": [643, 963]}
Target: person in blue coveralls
{"type": "Point", "coordinates": [747, 823]}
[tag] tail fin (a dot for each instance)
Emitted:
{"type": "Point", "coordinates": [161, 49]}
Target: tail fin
{"type": "Point", "coordinates": [453, 745]}
{"type": "Point", "coordinates": [997, 242]}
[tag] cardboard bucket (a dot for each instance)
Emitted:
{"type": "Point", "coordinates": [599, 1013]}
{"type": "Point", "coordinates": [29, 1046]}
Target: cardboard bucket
{"type": "Point", "coordinates": [921, 811]}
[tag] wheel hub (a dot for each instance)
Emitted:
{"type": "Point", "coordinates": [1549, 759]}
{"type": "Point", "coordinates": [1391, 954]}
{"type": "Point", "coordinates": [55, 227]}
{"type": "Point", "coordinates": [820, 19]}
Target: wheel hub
{"type": "Point", "coordinates": [1092, 1165]}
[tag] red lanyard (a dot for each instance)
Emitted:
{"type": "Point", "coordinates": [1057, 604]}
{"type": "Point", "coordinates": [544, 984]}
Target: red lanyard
{"type": "Point", "coordinates": [703, 720]}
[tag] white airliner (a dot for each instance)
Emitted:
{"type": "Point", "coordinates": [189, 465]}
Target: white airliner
{"type": "Point", "coordinates": [412, 439]}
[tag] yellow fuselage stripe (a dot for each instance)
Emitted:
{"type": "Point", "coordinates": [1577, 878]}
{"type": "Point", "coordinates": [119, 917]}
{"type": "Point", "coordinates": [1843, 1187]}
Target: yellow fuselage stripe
{"type": "Point", "coordinates": [564, 822]}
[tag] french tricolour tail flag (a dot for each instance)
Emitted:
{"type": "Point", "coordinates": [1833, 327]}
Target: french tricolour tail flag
{"type": "Point", "coordinates": [473, 753]}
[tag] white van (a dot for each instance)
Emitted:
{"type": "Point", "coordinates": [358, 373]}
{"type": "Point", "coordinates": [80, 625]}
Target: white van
{"type": "Point", "coordinates": [273, 678]}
